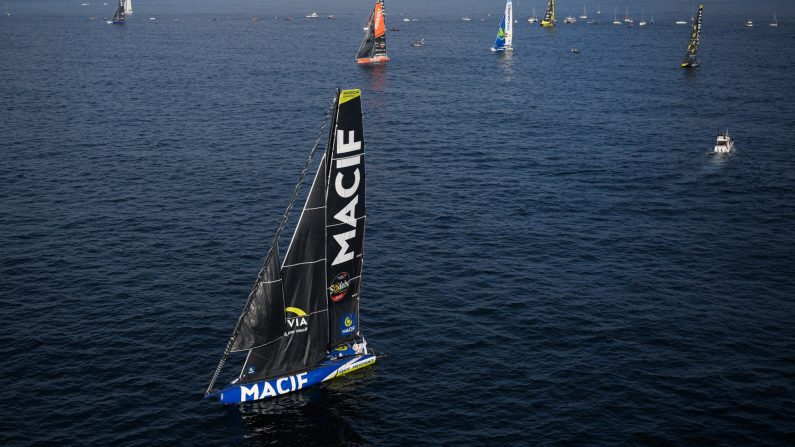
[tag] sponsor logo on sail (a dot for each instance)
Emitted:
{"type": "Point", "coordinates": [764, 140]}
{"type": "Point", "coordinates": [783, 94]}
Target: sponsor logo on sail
{"type": "Point", "coordinates": [251, 370]}
{"type": "Point", "coordinates": [296, 320]}
{"type": "Point", "coordinates": [348, 324]}
{"type": "Point", "coordinates": [347, 215]}
{"type": "Point", "coordinates": [273, 388]}
{"type": "Point", "coordinates": [339, 287]}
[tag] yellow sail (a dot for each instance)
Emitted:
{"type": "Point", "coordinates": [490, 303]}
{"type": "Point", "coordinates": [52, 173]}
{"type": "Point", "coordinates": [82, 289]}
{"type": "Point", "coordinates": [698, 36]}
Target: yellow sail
{"type": "Point", "coordinates": [549, 16]}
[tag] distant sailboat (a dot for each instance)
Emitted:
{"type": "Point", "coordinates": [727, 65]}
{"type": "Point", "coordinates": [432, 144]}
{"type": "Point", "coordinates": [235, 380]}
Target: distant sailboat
{"type": "Point", "coordinates": [127, 8]}
{"type": "Point", "coordinates": [652, 18]}
{"type": "Point", "coordinates": [533, 19]}
{"type": "Point", "coordinates": [504, 40]}
{"type": "Point", "coordinates": [119, 17]}
{"type": "Point", "coordinates": [615, 17]}
{"type": "Point", "coordinates": [691, 58]}
{"type": "Point", "coordinates": [642, 18]}
{"type": "Point", "coordinates": [549, 15]}
{"type": "Point", "coordinates": [627, 18]}
{"type": "Point", "coordinates": [584, 13]}
{"type": "Point", "coordinates": [774, 23]}
{"type": "Point", "coordinates": [373, 47]}
{"type": "Point", "coordinates": [300, 325]}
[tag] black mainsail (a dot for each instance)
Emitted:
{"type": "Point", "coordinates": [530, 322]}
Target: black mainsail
{"type": "Point", "coordinates": [691, 58]}
{"type": "Point", "coordinates": [345, 218]}
{"type": "Point", "coordinates": [300, 310]}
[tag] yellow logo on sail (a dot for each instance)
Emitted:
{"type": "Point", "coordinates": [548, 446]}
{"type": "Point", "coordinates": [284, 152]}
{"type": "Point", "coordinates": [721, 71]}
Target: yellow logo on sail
{"type": "Point", "coordinates": [347, 95]}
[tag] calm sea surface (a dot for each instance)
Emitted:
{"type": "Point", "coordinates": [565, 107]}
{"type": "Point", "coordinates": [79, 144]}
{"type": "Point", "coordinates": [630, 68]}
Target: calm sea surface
{"type": "Point", "coordinates": [554, 255]}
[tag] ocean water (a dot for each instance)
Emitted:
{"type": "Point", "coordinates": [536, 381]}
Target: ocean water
{"type": "Point", "coordinates": [554, 255]}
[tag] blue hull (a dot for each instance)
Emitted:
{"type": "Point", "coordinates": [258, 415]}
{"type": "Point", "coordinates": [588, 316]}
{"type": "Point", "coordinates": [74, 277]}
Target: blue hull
{"type": "Point", "coordinates": [329, 369]}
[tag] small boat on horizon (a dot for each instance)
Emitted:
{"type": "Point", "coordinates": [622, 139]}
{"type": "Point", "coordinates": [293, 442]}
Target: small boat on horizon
{"type": "Point", "coordinates": [584, 13]}
{"type": "Point", "coordinates": [724, 143]}
{"type": "Point", "coordinates": [418, 43]}
{"type": "Point", "coordinates": [533, 18]}
{"type": "Point", "coordinates": [569, 20]}
{"type": "Point", "coordinates": [774, 23]}
{"type": "Point", "coordinates": [615, 17]}
{"type": "Point", "coordinates": [313, 15]}
{"type": "Point", "coordinates": [749, 23]}
{"type": "Point", "coordinates": [466, 19]}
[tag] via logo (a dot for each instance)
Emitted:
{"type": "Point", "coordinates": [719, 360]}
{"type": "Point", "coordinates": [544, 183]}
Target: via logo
{"type": "Point", "coordinates": [299, 318]}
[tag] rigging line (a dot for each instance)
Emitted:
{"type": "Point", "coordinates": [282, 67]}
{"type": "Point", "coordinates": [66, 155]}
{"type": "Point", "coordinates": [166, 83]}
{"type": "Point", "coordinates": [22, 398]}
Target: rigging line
{"type": "Point", "coordinates": [275, 242]}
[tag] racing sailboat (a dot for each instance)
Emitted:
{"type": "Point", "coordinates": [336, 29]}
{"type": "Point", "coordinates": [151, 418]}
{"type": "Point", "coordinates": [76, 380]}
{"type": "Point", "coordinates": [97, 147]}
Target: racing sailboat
{"type": "Point", "coordinates": [373, 47]}
{"type": "Point", "coordinates": [691, 59]}
{"type": "Point", "coordinates": [549, 15]}
{"type": "Point", "coordinates": [504, 41]}
{"type": "Point", "coordinates": [300, 325]}
{"type": "Point", "coordinates": [119, 17]}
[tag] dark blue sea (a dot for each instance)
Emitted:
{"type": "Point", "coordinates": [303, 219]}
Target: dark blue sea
{"type": "Point", "coordinates": [554, 255]}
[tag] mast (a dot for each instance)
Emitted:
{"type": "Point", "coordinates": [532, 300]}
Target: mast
{"type": "Point", "coordinates": [691, 59]}
{"type": "Point", "coordinates": [265, 314]}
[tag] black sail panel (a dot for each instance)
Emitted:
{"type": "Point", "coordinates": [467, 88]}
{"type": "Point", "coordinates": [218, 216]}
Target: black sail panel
{"type": "Point", "coordinates": [368, 42]}
{"type": "Point", "coordinates": [263, 320]}
{"type": "Point", "coordinates": [345, 216]}
{"type": "Point", "coordinates": [304, 337]}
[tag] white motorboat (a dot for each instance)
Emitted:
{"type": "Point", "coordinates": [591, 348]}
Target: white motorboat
{"type": "Point", "coordinates": [724, 143]}
{"type": "Point", "coordinates": [569, 19]}
{"type": "Point", "coordinates": [749, 23]}
{"type": "Point", "coordinates": [312, 16]}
